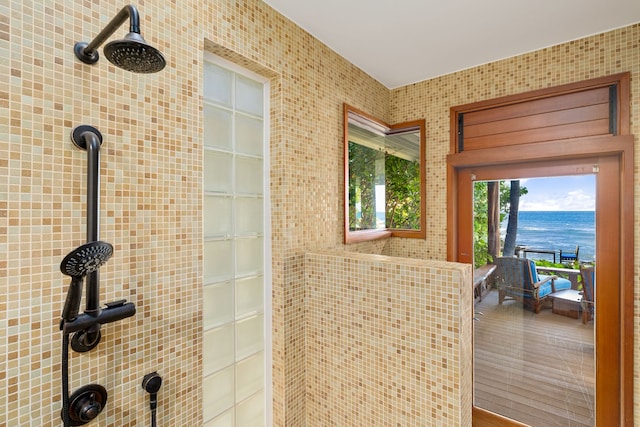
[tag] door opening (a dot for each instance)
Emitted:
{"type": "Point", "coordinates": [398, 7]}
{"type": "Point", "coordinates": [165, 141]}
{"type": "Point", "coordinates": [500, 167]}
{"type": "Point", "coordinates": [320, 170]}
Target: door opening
{"type": "Point", "coordinates": [535, 366]}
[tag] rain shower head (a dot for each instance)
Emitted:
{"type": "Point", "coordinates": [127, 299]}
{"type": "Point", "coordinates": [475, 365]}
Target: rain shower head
{"type": "Point", "coordinates": [86, 259]}
{"type": "Point", "coordinates": [132, 53]}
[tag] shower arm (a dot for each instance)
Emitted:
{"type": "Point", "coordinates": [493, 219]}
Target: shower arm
{"type": "Point", "coordinates": [88, 53]}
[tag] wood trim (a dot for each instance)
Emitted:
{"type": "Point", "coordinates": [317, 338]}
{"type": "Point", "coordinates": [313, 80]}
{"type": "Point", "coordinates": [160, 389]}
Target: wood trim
{"type": "Point", "coordinates": [622, 81]}
{"type": "Point", "coordinates": [572, 148]}
{"type": "Point", "coordinates": [538, 120]}
{"type": "Point", "coordinates": [597, 96]}
{"type": "Point", "coordinates": [483, 418]}
{"type": "Point", "coordinates": [614, 155]}
{"type": "Point", "coordinates": [627, 289]}
{"type": "Point", "coordinates": [608, 256]}
{"type": "Point", "coordinates": [530, 136]}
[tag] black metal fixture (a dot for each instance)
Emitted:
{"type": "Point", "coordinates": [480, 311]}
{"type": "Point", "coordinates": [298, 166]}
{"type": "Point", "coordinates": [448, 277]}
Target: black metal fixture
{"type": "Point", "coordinates": [132, 53]}
{"type": "Point", "coordinates": [82, 261]}
{"type": "Point", "coordinates": [85, 262]}
{"type": "Point", "coordinates": [87, 325]}
{"type": "Point", "coordinates": [151, 384]}
{"type": "Point", "coordinates": [86, 403]}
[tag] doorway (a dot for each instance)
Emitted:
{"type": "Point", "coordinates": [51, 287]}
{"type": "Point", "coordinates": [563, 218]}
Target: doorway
{"type": "Point", "coordinates": [613, 171]}
{"type": "Point", "coordinates": [536, 367]}
{"type": "Point", "coordinates": [573, 129]}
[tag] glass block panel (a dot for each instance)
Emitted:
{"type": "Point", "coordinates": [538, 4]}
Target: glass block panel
{"type": "Point", "coordinates": [249, 296]}
{"type": "Point", "coordinates": [219, 84]}
{"type": "Point", "coordinates": [217, 216]}
{"type": "Point", "coordinates": [222, 420]}
{"type": "Point", "coordinates": [249, 96]}
{"type": "Point", "coordinates": [218, 393]}
{"type": "Point", "coordinates": [217, 349]}
{"type": "Point", "coordinates": [249, 336]}
{"type": "Point", "coordinates": [218, 127]}
{"type": "Point", "coordinates": [249, 135]}
{"type": "Point", "coordinates": [249, 218]}
{"type": "Point", "coordinates": [249, 376]}
{"type": "Point", "coordinates": [218, 261]}
{"type": "Point", "coordinates": [248, 175]}
{"type": "Point", "coordinates": [218, 175]}
{"type": "Point", "coordinates": [249, 256]}
{"type": "Point", "coordinates": [217, 304]}
{"type": "Point", "coordinates": [250, 413]}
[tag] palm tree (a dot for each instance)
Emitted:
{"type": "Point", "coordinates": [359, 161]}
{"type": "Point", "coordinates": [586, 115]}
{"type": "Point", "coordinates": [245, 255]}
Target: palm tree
{"type": "Point", "coordinates": [512, 226]}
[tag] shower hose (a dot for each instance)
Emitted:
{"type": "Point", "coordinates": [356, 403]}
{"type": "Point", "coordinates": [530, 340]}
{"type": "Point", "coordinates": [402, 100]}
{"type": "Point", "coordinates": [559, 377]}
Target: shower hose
{"type": "Point", "coordinates": [65, 380]}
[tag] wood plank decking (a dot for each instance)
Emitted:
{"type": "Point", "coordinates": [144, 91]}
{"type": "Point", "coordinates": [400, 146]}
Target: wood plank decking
{"type": "Point", "coordinates": [535, 368]}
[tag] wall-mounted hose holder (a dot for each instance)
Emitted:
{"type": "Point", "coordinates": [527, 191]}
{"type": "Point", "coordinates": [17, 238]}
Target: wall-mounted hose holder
{"type": "Point", "coordinates": [86, 403]}
{"type": "Point", "coordinates": [151, 383]}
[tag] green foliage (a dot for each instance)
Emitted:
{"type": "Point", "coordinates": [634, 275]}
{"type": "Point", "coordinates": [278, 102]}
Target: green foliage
{"type": "Point", "coordinates": [480, 224]}
{"type": "Point", "coordinates": [402, 191]}
{"type": "Point", "coordinates": [362, 174]}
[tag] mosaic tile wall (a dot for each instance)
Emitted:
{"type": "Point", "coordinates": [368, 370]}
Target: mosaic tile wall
{"type": "Point", "coordinates": [388, 341]}
{"type": "Point", "coordinates": [151, 196]}
{"type": "Point", "coordinates": [151, 185]}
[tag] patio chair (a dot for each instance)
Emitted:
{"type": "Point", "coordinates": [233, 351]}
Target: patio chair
{"type": "Point", "coordinates": [569, 256]}
{"type": "Point", "coordinates": [588, 293]}
{"type": "Point", "coordinates": [517, 279]}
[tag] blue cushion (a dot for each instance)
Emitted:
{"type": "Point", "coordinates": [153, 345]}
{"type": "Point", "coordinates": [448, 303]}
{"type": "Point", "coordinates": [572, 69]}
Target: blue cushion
{"type": "Point", "coordinates": [559, 283]}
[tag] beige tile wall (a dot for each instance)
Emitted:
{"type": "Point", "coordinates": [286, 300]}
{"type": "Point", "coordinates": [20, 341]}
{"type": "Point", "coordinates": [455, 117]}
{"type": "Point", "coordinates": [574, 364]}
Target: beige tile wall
{"type": "Point", "coordinates": [388, 341]}
{"type": "Point", "coordinates": [151, 195]}
{"type": "Point", "coordinates": [151, 189]}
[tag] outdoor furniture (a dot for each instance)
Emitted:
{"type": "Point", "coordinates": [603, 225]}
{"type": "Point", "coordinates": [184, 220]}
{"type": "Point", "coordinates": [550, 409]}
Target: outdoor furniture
{"type": "Point", "coordinates": [567, 303]}
{"type": "Point", "coordinates": [526, 251]}
{"type": "Point", "coordinates": [517, 279]}
{"type": "Point", "coordinates": [482, 280]}
{"type": "Point", "coordinates": [589, 296]}
{"type": "Point", "coordinates": [569, 256]}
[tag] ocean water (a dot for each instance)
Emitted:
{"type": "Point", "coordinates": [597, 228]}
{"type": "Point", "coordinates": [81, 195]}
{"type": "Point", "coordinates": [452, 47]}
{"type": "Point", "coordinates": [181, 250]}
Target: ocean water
{"type": "Point", "coordinates": [555, 230]}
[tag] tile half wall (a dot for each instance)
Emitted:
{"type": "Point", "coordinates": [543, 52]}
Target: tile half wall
{"type": "Point", "coordinates": [388, 340]}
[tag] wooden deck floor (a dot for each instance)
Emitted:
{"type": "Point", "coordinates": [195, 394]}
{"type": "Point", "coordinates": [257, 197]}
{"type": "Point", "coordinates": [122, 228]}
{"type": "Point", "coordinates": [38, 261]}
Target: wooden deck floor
{"type": "Point", "coordinates": [534, 368]}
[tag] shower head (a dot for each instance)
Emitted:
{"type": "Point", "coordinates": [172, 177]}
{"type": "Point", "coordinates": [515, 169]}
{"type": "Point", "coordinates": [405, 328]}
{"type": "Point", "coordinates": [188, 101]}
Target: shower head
{"type": "Point", "coordinates": [81, 261]}
{"type": "Point", "coordinates": [86, 259]}
{"type": "Point", "coordinates": [132, 53]}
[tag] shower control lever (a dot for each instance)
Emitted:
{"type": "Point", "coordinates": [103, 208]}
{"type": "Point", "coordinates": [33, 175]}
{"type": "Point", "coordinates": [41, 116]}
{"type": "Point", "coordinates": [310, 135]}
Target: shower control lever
{"type": "Point", "coordinates": [114, 311]}
{"type": "Point", "coordinates": [114, 304]}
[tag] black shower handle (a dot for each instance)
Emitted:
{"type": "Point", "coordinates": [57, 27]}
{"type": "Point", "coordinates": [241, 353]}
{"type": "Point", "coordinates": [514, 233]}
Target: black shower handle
{"type": "Point", "coordinates": [72, 303]}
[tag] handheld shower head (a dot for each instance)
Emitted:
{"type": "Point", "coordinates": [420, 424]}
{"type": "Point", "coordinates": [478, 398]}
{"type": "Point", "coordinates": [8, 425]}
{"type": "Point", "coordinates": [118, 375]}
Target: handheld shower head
{"type": "Point", "coordinates": [132, 53]}
{"type": "Point", "coordinates": [86, 258]}
{"type": "Point", "coordinates": [81, 261]}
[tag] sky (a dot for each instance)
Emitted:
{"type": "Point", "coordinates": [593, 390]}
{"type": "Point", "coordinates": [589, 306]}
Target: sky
{"type": "Point", "coordinates": [567, 193]}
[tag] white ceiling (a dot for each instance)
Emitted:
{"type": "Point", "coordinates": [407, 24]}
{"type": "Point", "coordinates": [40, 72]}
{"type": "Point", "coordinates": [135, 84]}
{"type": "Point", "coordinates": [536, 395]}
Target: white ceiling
{"type": "Point", "coordinates": [399, 42]}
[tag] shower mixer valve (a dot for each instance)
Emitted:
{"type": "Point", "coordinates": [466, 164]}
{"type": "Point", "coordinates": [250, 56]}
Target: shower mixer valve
{"type": "Point", "coordinates": [114, 311]}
